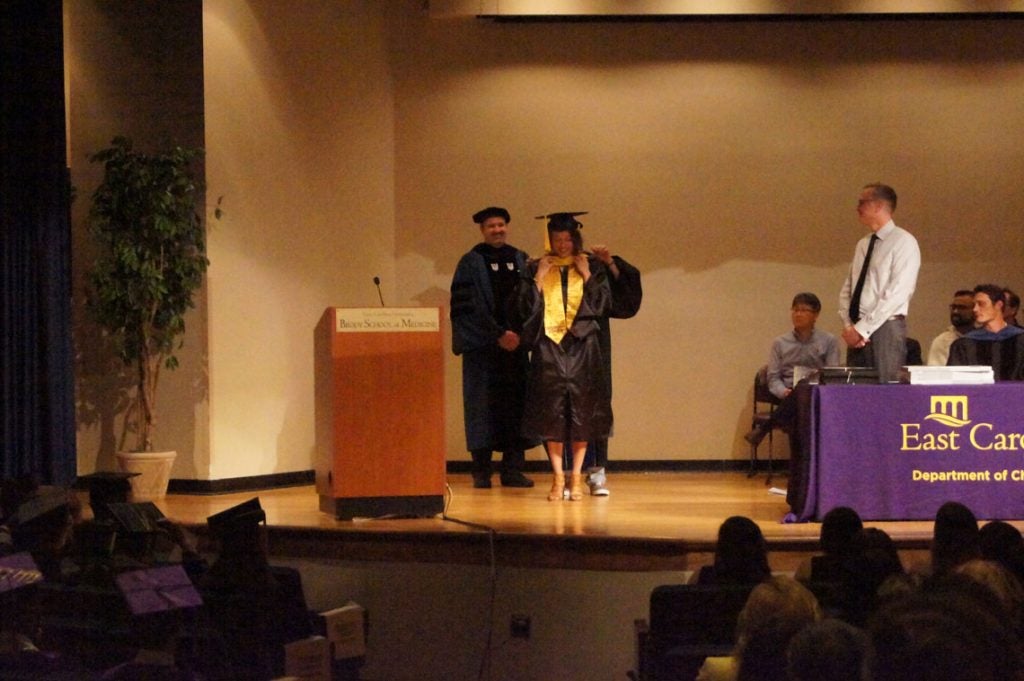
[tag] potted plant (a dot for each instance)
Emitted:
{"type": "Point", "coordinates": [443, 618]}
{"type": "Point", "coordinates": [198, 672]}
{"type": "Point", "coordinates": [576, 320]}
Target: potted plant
{"type": "Point", "coordinates": [151, 262]}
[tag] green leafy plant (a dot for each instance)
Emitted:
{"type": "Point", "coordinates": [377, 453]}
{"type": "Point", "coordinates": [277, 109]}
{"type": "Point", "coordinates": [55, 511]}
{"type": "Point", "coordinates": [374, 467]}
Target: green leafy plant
{"type": "Point", "coordinates": [151, 262]}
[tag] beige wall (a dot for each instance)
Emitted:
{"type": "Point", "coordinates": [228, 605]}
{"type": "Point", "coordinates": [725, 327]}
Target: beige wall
{"type": "Point", "coordinates": [351, 139]}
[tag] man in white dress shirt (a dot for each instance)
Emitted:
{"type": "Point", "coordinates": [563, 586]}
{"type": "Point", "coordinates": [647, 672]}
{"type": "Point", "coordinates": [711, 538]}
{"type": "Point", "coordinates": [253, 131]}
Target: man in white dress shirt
{"type": "Point", "coordinates": [875, 298]}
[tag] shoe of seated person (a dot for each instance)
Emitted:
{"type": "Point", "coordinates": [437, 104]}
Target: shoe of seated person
{"type": "Point", "coordinates": [597, 481]}
{"type": "Point", "coordinates": [755, 435]}
{"type": "Point", "coordinates": [515, 479]}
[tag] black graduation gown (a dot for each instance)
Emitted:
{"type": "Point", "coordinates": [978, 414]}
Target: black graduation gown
{"type": "Point", "coordinates": [567, 394]}
{"type": "Point", "coordinates": [1006, 357]}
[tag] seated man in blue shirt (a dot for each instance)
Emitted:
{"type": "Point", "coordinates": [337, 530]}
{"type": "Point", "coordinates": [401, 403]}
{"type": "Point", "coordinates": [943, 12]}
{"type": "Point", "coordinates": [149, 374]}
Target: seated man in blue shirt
{"type": "Point", "coordinates": [994, 343]}
{"type": "Point", "coordinates": [804, 346]}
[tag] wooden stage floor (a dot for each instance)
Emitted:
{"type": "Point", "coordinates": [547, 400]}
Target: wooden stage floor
{"type": "Point", "coordinates": [651, 521]}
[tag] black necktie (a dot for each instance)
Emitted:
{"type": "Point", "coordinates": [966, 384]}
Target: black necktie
{"type": "Point", "coordinates": [855, 300]}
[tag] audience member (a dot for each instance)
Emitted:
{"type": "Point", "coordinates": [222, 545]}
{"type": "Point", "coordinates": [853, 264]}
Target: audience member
{"type": "Point", "coordinates": [255, 608]}
{"type": "Point", "coordinates": [961, 320]}
{"type": "Point", "coordinates": [1002, 583]}
{"type": "Point", "coordinates": [1002, 542]}
{"type": "Point", "coordinates": [829, 650]}
{"type": "Point", "coordinates": [775, 611]}
{"type": "Point", "coordinates": [804, 346]}
{"type": "Point", "coordinates": [955, 537]}
{"type": "Point", "coordinates": [741, 555]}
{"type": "Point", "coordinates": [839, 529]}
{"type": "Point", "coordinates": [947, 630]}
{"type": "Point", "coordinates": [1012, 307]}
{"type": "Point", "coordinates": [867, 575]}
{"type": "Point", "coordinates": [994, 343]}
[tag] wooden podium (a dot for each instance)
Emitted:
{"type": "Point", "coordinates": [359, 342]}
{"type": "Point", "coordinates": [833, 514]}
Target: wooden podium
{"type": "Point", "coordinates": [380, 412]}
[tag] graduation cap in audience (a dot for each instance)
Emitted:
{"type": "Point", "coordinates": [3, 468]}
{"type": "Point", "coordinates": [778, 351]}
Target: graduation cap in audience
{"type": "Point", "coordinates": [140, 517]}
{"type": "Point", "coordinates": [107, 487]}
{"type": "Point", "coordinates": [41, 515]}
{"type": "Point", "coordinates": [44, 506]}
{"type": "Point", "coordinates": [18, 570]}
{"type": "Point", "coordinates": [244, 516]}
{"type": "Point", "coordinates": [158, 590]}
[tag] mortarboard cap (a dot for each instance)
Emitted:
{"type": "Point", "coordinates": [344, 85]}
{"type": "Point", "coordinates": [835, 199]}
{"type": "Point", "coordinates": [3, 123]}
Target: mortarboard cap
{"type": "Point", "coordinates": [563, 221]}
{"type": "Point", "coordinates": [43, 506]}
{"type": "Point", "coordinates": [248, 514]}
{"type": "Point", "coordinates": [140, 517]}
{"type": "Point", "coordinates": [18, 570]}
{"type": "Point", "coordinates": [158, 590]}
{"type": "Point", "coordinates": [491, 212]}
{"type": "Point", "coordinates": [106, 487]}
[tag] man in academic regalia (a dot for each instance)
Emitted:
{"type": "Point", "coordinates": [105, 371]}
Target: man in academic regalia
{"type": "Point", "coordinates": [994, 343]}
{"type": "Point", "coordinates": [494, 364]}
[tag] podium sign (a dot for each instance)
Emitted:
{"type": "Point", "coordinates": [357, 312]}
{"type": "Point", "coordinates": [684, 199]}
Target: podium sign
{"type": "Point", "coordinates": [380, 412]}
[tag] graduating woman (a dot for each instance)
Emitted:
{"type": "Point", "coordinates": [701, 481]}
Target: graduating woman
{"type": "Point", "coordinates": [562, 300]}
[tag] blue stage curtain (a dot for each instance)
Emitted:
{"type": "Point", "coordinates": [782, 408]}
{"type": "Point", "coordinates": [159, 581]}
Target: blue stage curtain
{"type": "Point", "coordinates": [37, 418]}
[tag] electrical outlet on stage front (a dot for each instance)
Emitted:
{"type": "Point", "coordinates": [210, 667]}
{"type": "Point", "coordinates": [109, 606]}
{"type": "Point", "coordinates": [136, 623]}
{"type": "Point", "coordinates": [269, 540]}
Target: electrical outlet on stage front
{"type": "Point", "coordinates": [520, 627]}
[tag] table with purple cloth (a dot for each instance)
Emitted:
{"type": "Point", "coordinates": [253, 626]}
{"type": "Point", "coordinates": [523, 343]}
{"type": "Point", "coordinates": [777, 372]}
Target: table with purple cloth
{"type": "Point", "coordinates": [898, 452]}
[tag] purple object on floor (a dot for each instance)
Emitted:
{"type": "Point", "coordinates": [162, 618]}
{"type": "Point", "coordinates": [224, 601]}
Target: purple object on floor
{"type": "Point", "coordinates": [18, 570]}
{"type": "Point", "coordinates": [158, 589]}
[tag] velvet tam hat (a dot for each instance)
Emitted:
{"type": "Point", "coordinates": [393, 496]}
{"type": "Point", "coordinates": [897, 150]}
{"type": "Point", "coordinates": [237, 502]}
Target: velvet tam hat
{"type": "Point", "coordinates": [481, 216]}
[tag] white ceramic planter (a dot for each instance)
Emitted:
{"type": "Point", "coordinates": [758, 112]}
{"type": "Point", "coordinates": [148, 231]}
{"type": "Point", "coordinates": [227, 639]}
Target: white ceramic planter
{"type": "Point", "coordinates": [154, 469]}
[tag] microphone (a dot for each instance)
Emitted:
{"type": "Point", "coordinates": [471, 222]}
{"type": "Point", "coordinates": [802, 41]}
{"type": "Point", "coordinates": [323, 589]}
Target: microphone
{"type": "Point", "coordinates": [376, 281]}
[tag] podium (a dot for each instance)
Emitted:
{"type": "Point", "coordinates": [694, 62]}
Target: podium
{"type": "Point", "coordinates": [379, 412]}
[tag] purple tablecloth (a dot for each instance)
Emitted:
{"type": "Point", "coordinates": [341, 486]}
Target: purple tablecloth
{"type": "Point", "coordinates": [898, 452]}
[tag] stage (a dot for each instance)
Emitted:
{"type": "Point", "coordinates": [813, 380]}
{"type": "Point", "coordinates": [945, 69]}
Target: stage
{"type": "Point", "coordinates": [650, 522]}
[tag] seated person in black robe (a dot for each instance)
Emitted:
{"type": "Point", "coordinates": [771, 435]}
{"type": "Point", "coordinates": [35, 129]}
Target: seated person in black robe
{"type": "Point", "coordinates": [994, 343]}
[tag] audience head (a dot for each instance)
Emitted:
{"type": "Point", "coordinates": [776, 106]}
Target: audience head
{"type": "Point", "coordinates": [839, 527]}
{"type": "Point", "coordinates": [951, 628]}
{"type": "Point", "coordinates": [997, 579]}
{"type": "Point", "coordinates": [14, 492]}
{"type": "Point", "coordinates": [741, 555]}
{"type": "Point", "coordinates": [873, 561]}
{"type": "Point", "coordinates": [955, 537]}
{"type": "Point", "coordinates": [961, 310]}
{"type": "Point", "coordinates": [1003, 543]}
{"type": "Point", "coordinates": [829, 650]}
{"type": "Point", "coordinates": [1011, 304]}
{"type": "Point", "coordinates": [776, 610]}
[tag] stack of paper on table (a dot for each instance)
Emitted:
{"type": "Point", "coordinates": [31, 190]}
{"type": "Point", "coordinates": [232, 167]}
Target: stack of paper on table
{"type": "Point", "coordinates": [955, 375]}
